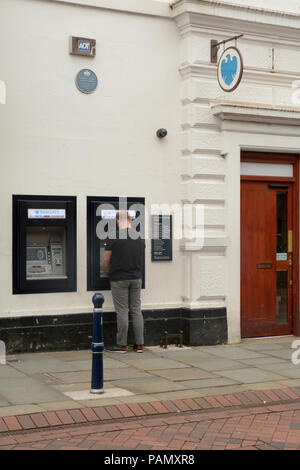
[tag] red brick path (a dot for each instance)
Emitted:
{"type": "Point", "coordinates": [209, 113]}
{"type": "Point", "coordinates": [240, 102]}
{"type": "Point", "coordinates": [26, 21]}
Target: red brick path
{"type": "Point", "coordinates": [249, 420]}
{"type": "Point", "coordinates": [105, 413]}
{"type": "Point", "coordinates": [266, 427]}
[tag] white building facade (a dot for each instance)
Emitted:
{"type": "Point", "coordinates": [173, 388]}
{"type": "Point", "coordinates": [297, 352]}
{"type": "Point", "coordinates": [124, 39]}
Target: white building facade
{"type": "Point", "coordinates": [154, 68]}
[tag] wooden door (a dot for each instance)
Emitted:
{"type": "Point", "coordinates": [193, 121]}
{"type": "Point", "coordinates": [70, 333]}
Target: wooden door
{"type": "Point", "coordinates": [266, 258]}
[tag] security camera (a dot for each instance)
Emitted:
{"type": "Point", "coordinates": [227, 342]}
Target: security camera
{"type": "Point", "coordinates": [161, 133]}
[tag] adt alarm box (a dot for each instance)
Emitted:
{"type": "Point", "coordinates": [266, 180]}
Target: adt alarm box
{"type": "Point", "coordinates": [101, 216]}
{"type": "Point", "coordinates": [44, 244]}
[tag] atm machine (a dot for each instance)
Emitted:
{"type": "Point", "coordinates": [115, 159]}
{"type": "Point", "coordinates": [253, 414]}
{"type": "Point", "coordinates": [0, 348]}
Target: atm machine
{"type": "Point", "coordinates": [45, 253]}
{"type": "Point", "coordinates": [104, 209]}
{"type": "Point", "coordinates": [44, 244]}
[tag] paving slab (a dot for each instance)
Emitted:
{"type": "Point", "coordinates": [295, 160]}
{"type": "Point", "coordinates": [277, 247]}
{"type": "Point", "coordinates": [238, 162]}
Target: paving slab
{"type": "Point", "coordinates": [59, 405]}
{"type": "Point", "coordinates": [72, 387]}
{"type": "Point", "coordinates": [202, 392]}
{"type": "Point", "coordinates": [101, 402]}
{"type": "Point", "coordinates": [16, 410]}
{"type": "Point", "coordinates": [182, 355]}
{"type": "Point", "coordinates": [81, 365]}
{"type": "Point", "coordinates": [288, 372]}
{"type": "Point", "coordinates": [125, 373]}
{"type": "Point", "coordinates": [188, 373]}
{"type": "Point", "coordinates": [238, 388]}
{"type": "Point", "coordinates": [3, 401]}
{"type": "Point", "coordinates": [217, 382]}
{"type": "Point", "coordinates": [262, 386]}
{"type": "Point", "coordinates": [155, 364]}
{"type": "Point", "coordinates": [263, 346]}
{"type": "Point", "coordinates": [108, 393]}
{"type": "Point", "coordinates": [83, 355]}
{"type": "Point", "coordinates": [232, 352]}
{"type": "Point", "coordinates": [113, 363]}
{"type": "Point", "coordinates": [131, 355]}
{"type": "Point", "coordinates": [72, 377]}
{"type": "Point", "coordinates": [170, 348]}
{"type": "Point", "coordinates": [269, 340]}
{"type": "Point", "coordinates": [216, 364]}
{"type": "Point", "coordinates": [108, 374]}
{"type": "Point", "coordinates": [149, 386]}
{"type": "Point", "coordinates": [290, 382]}
{"type": "Point", "coordinates": [180, 394]}
{"type": "Point", "coordinates": [260, 362]}
{"type": "Point", "coordinates": [281, 353]}
{"type": "Point", "coordinates": [289, 369]}
{"type": "Point", "coordinates": [279, 365]}
{"type": "Point", "coordinates": [147, 378]}
{"type": "Point", "coordinates": [138, 398]}
{"type": "Point", "coordinates": [46, 379]}
{"type": "Point", "coordinates": [31, 365]}
{"type": "Point", "coordinates": [27, 390]}
{"type": "Point", "coordinates": [250, 375]}
{"type": "Point", "coordinates": [33, 355]}
{"type": "Point", "coordinates": [7, 371]}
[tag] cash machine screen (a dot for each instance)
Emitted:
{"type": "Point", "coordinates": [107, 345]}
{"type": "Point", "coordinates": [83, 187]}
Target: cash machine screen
{"type": "Point", "coordinates": [37, 255]}
{"type": "Point", "coordinates": [45, 258]}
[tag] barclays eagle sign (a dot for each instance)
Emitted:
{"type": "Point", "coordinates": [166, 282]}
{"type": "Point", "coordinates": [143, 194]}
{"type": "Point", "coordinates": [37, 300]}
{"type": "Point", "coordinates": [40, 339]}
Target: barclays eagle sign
{"type": "Point", "coordinates": [230, 69]}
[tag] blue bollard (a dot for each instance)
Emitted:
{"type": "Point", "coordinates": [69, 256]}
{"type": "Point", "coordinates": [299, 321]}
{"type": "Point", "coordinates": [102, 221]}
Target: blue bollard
{"type": "Point", "coordinates": [97, 346]}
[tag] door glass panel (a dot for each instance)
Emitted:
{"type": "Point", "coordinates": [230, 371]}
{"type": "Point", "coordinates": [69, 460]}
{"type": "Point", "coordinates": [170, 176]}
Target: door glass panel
{"type": "Point", "coordinates": [266, 169]}
{"type": "Point", "coordinates": [281, 298]}
{"type": "Point", "coordinates": [281, 226]}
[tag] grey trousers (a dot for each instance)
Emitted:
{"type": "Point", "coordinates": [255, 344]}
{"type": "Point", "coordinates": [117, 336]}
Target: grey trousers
{"type": "Point", "coordinates": [127, 298]}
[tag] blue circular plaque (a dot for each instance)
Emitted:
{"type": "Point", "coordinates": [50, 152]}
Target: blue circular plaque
{"type": "Point", "coordinates": [86, 81]}
{"type": "Point", "coordinates": [230, 69]}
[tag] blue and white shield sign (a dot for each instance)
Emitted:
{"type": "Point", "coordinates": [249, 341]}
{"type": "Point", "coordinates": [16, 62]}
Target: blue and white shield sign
{"type": "Point", "coordinates": [230, 69]}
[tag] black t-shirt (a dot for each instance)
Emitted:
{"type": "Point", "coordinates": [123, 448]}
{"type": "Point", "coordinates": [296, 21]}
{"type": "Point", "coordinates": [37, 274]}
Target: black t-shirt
{"type": "Point", "coordinates": [127, 257]}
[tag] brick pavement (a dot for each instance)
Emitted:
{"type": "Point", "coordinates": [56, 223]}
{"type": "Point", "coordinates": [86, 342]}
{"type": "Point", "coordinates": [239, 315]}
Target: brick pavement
{"type": "Point", "coordinates": [257, 420]}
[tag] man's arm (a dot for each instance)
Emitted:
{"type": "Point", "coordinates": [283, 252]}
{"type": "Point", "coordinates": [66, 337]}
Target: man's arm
{"type": "Point", "coordinates": [106, 260]}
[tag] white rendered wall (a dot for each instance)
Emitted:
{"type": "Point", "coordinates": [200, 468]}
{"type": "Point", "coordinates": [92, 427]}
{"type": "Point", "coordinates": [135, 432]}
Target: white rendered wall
{"type": "Point", "coordinates": [57, 141]}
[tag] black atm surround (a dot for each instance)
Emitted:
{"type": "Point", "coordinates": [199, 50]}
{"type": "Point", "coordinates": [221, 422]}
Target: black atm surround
{"type": "Point", "coordinates": [21, 204]}
{"type": "Point", "coordinates": [94, 281]}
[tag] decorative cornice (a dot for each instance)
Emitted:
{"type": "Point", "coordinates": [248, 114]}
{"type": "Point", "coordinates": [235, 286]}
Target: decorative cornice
{"type": "Point", "coordinates": [238, 111]}
{"type": "Point", "coordinates": [219, 3]}
{"type": "Point", "coordinates": [219, 16]}
{"type": "Point", "coordinates": [206, 70]}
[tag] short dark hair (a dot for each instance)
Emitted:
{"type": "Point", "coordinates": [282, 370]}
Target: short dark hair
{"type": "Point", "coordinates": [123, 213]}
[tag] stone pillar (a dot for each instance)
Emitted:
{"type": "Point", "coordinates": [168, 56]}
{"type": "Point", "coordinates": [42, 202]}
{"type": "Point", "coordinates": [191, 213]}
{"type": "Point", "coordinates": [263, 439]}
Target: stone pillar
{"type": "Point", "coordinates": [203, 181]}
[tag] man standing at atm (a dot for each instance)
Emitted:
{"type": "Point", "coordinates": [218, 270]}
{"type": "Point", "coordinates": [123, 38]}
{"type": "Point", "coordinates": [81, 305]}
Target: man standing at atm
{"type": "Point", "coordinates": [123, 260]}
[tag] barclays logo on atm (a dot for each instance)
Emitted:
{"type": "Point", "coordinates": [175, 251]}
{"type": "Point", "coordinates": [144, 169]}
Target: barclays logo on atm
{"type": "Point", "coordinates": [84, 45]}
{"type": "Point", "coordinates": [46, 213]}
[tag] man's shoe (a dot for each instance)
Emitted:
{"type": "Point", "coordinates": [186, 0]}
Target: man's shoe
{"type": "Point", "coordinates": [139, 348]}
{"type": "Point", "coordinates": [117, 348]}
